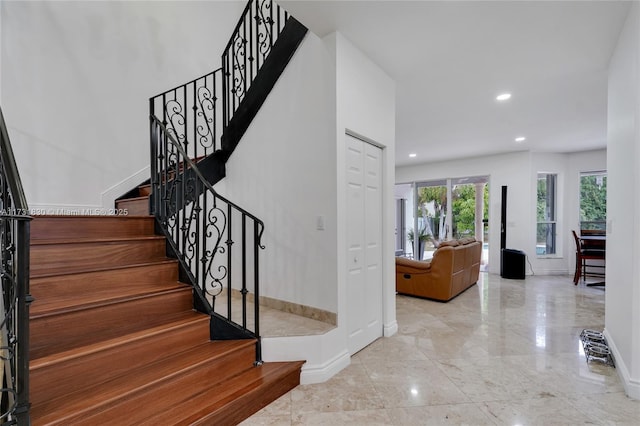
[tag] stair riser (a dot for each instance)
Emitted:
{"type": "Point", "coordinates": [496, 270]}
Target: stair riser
{"type": "Point", "coordinates": [134, 207]}
{"type": "Point", "coordinates": [144, 190]}
{"type": "Point", "coordinates": [170, 391]}
{"type": "Point", "coordinates": [56, 333]}
{"type": "Point", "coordinates": [53, 380]}
{"type": "Point", "coordinates": [111, 281]}
{"type": "Point", "coordinates": [65, 227]}
{"type": "Point", "coordinates": [78, 256]}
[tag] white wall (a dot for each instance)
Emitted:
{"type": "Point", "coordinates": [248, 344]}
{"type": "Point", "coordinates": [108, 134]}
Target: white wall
{"type": "Point", "coordinates": [622, 318]}
{"type": "Point", "coordinates": [284, 171]}
{"type": "Point", "coordinates": [362, 100]}
{"type": "Point", "coordinates": [76, 78]}
{"type": "Point", "coordinates": [518, 171]}
{"type": "Point", "coordinates": [365, 106]}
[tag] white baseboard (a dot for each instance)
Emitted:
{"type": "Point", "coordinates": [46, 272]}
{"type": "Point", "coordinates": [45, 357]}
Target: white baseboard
{"type": "Point", "coordinates": [631, 386]}
{"type": "Point", "coordinates": [109, 196]}
{"type": "Point", "coordinates": [325, 354]}
{"type": "Point", "coordinates": [321, 373]}
{"type": "Point", "coordinates": [390, 329]}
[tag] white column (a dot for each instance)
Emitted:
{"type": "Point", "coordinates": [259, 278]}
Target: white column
{"type": "Point", "coordinates": [622, 304]}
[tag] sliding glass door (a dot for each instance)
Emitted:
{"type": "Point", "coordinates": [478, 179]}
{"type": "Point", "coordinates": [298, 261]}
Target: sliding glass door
{"type": "Point", "coordinates": [443, 209]}
{"type": "Point", "coordinates": [432, 212]}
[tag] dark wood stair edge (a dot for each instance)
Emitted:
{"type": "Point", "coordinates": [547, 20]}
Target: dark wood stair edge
{"type": "Point", "coordinates": [89, 240]}
{"type": "Point", "coordinates": [92, 269]}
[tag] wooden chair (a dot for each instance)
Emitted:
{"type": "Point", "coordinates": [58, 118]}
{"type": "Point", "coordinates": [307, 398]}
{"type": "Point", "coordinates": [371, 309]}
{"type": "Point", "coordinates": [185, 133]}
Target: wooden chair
{"type": "Point", "coordinates": [582, 256]}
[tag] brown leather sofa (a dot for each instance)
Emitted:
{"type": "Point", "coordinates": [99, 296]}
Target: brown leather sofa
{"type": "Point", "coordinates": [455, 267]}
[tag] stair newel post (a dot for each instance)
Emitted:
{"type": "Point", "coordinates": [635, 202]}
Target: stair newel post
{"type": "Point", "coordinates": [244, 56]}
{"type": "Point", "coordinates": [164, 179]}
{"type": "Point", "coordinates": [244, 270]}
{"type": "Point", "coordinates": [194, 108]}
{"type": "Point", "coordinates": [250, 72]}
{"type": "Point", "coordinates": [257, 38]}
{"type": "Point", "coordinates": [24, 301]}
{"type": "Point", "coordinates": [256, 289]}
{"type": "Point", "coordinates": [181, 204]}
{"type": "Point", "coordinates": [205, 241]}
{"type": "Point", "coordinates": [196, 219]}
{"type": "Point", "coordinates": [153, 131]}
{"type": "Point", "coordinates": [229, 265]}
{"type": "Point", "coordinates": [225, 94]}
{"type": "Point", "coordinates": [271, 24]}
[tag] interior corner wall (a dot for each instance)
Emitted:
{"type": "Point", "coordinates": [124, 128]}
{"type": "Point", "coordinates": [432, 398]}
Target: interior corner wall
{"type": "Point", "coordinates": [365, 98]}
{"type": "Point", "coordinates": [75, 81]}
{"type": "Point", "coordinates": [622, 303]}
{"type": "Point", "coordinates": [512, 170]}
{"type": "Point", "coordinates": [284, 171]}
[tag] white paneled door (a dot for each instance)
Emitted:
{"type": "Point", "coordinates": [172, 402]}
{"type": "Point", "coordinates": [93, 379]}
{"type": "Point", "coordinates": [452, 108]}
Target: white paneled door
{"type": "Point", "coordinates": [364, 242]}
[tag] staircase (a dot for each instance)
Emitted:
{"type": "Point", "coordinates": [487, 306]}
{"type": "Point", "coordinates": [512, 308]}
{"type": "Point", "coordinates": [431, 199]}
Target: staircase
{"type": "Point", "coordinates": [144, 318]}
{"type": "Point", "coordinates": [115, 338]}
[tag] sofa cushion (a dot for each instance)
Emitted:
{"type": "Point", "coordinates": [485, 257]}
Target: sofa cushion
{"type": "Point", "coordinates": [467, 240]}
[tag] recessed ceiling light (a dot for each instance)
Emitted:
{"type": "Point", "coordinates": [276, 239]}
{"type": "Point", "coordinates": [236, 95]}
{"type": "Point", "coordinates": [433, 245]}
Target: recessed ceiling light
{"type": "Point", "coordinates": [503, 96]}
{"type": "Point", "coordinates": [412, 155]}
{"type": "Point", "coordinates": [520, 139]}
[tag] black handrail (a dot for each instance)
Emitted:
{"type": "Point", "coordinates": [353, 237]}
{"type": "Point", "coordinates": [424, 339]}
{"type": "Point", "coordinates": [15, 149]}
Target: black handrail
{"type": "Point", "coordinates": [15, 300]}
{"type": "Point", "coordinates": [201, 227]}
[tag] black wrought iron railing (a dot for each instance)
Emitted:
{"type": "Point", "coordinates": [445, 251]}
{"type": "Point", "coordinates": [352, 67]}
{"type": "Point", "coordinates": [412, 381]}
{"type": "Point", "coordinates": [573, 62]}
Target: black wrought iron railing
{"type": "Point", "coordinates": [191, 114]}
{"type": "Point", "coordinates": [15, 300]}
{"type": "Point", "coordinates": [255, 34]}
{"type": "Point", "coordinates": [216, 241]}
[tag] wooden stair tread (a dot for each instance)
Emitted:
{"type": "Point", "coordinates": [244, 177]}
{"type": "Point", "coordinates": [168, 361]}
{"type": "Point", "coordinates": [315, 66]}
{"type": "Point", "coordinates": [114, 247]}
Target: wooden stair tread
{"type": "Point", "coordinates": [87, 240]}
{"type": "Point", "coordinates": [62, 310]}
{"type": "Point", "coordinates": [87, 300]}
{"type": "Point", "coordinates": [229, 402]}
{"type": "Point", "coordinates": [143, 197]}
{"type": "Point", "coordinates": [85, 270]}
{"type": "Point", "coordinates": [62, 409]}
{"type": "Point", "coordinates": [181, 321]}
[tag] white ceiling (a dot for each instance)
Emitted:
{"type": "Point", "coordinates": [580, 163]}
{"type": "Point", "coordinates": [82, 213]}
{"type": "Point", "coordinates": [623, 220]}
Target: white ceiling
{"type": "Point", "coordinates": [450, 59]}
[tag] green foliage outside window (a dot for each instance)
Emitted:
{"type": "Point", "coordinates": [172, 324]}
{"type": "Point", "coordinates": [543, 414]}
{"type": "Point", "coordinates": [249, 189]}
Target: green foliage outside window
{"type": "Point", "coordinates": [463, 208]}
{"type": "Point", "coordinates": [593, 201]}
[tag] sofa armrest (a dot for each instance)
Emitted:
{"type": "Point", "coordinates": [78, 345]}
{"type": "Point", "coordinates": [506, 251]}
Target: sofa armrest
{"type": "Point", "coordinates": [410, 266]}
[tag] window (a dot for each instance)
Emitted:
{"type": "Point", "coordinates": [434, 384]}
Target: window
{"type": "Point", "coordinates": [546, 214]}
{"type": "Point", "coordinates": [593, 201]}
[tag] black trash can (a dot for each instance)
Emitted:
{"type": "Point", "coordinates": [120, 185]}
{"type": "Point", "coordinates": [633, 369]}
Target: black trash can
{"type": "Point", "coordinates": [512, 264]}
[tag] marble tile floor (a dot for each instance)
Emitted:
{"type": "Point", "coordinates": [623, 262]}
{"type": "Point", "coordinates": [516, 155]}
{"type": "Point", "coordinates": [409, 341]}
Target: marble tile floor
{"type": "Point", "coordinates": [505, 352]}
